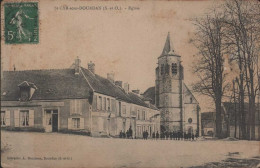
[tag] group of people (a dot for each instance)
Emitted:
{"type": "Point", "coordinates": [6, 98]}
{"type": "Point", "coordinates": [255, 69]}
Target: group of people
{"type": "Point", "coordinates": [177, 136]}
{"type": "Point", "coordinates": [128, 134]}
{"type": "Point", "coordinates": [163, 136]}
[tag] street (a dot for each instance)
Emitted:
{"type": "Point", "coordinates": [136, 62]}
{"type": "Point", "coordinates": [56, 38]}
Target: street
{"type": "Point", "coordinates": [30, 149]}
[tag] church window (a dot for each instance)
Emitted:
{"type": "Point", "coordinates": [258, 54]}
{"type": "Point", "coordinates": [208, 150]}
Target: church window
{"type": "Point", "coordinates": [162, 69]}
{"type": "Point", "coordinates": [174, 68]}
{"type": "Point", "coordinates": [167, 69]}
{"type": "Point", "coordinates": [190, 120]}
{"type": "Point", "coordinates": [191, 100]}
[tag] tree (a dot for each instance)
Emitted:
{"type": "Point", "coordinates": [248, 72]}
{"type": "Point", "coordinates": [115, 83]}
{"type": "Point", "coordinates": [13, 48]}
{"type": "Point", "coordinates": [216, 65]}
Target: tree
{"type": "Point", "coordinates": [242, 37]}
{"type": "Point", "coordinates": [209, 40]}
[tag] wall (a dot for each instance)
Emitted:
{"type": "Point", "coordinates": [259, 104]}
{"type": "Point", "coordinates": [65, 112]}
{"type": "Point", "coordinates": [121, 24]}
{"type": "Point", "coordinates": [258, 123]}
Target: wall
{"type": "Point", "coordinates": [38, 107]}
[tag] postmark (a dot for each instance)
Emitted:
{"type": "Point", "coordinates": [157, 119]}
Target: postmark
{"type": "Point", "coordinates": [21, 23]}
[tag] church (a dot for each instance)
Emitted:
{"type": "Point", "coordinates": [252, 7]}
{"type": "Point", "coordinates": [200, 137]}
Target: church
{"type": "Point", "coordinates": [179, 108]}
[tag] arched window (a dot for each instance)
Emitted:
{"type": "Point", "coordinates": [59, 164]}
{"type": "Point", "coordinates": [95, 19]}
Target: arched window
{"type": "Point", "coordinates": [162, 69]}
{"type": "Point", "coordinates": [174, 68]}
{"type": "Point", "coordinates": [167, 69]}
{"type": "Point", "coordinates": [191, 100]}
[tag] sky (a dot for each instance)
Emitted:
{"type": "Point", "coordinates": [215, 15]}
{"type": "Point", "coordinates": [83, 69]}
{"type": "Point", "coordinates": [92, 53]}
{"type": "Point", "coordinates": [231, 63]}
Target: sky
{"type": "Point", "coordinates": [126, 42]}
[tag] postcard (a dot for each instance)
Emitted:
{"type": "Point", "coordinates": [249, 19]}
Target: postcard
{"type": "Point", "coordinates": [130, 84]}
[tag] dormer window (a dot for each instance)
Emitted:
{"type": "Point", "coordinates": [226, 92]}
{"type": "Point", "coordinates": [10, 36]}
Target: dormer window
{"type": "Point", "coordinates": [27, 90]}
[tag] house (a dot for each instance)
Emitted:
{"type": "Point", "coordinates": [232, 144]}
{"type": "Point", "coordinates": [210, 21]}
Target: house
{"type": "Point", "coordinates": [75, 99]}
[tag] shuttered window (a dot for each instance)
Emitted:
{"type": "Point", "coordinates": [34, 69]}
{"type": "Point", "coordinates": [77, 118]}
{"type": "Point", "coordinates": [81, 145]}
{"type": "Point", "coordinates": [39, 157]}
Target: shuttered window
{"type": "Point", "coordinates": [99, 103]}
{"type": "Point", "coordinates": [113, 105]}
{"type": "Point", "coordinates": [94, 104]}
{"type": "Point", "coordinates": [108, 104]}
{"type": "Point", "coordinates": [75, 123]}
{"type": "Point", "coordinates": [76, 106]}
{"type": "Point", "coordinates": [104, 104]}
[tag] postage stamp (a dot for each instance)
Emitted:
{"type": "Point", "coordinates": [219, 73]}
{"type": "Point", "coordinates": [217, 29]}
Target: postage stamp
{"type": "Point", "coordinates": [21, 23]}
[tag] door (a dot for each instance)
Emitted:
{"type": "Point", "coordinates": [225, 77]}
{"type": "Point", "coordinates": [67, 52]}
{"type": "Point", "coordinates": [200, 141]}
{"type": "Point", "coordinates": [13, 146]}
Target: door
{"type": "Point", "coordinates": [54, 122]}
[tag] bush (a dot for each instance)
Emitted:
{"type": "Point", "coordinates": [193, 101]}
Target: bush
{"type": "Point", "coordinates": [24, 129]}
{"type": "Point", "coordinates": [76, 132]}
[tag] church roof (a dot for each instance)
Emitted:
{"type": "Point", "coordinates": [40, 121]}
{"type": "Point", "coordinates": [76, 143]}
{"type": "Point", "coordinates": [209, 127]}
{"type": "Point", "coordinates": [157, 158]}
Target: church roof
{"type": "Point", "coordinates": [168, 48]}
{"type": "Point", "coordinates": [150, 93]}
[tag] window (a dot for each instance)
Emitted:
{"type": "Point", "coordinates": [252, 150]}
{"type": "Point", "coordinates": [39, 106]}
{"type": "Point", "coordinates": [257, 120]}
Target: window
{"type": "Point", "coordinates": [119, 108]}
{"type": "Point", "coordinates": [191, 100]}
{"type": "Point", "coordinates": [174, 68]}
{"type": "Point", "coordinates": [76, 106]}
{"type": "Point", "coordinates": [94, 104]}
{"type": "Point", "coordinates": [162, 69]}
{"type": "Point", "coordinates": [124, 109]}
{"type": "Point", "coordinates": [113, 101]}
{"type": "Point", "coordinates": [24, 118]}
{"type": "Point", "coordinates": [108, 104]}
{"type": "Point", "coordinates": [143, 117]}
{"type": "Point", "coordinates": [3, 119]}
{"type": "Point", "coordinates": [99, 103]}
{"type": "Point", "coordinates": [24, 93]}
{"type": "Point", "coordinates": [190, 120]}
{"type": "Point", "coordinates": [76, 122]}
{"type": "Point", "coordinates": [138, 115]}
{"type": "Point", "coordinates": [48, 117]}
{"type": "Point", "coordinates": [104, 104]}
{"type": "Point", "coordinates": [167, 69]}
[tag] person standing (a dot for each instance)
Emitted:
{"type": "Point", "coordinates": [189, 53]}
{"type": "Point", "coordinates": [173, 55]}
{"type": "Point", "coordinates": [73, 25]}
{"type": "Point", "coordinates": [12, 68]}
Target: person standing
{"type": "Point", "coordinates": [157, 135]}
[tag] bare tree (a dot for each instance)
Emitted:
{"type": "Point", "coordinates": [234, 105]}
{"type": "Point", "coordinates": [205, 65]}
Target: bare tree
{"type": "Point", "coordinates": [210, 65]}
{"type": "Point", "coordinates": [242, 37]}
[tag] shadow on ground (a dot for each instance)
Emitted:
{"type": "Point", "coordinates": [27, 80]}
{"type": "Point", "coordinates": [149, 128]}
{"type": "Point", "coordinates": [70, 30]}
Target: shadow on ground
{"type": "Point", "coordinates": [234, 163]}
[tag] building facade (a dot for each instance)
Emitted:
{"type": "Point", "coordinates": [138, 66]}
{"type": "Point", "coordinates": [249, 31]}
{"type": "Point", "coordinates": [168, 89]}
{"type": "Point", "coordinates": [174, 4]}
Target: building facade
{"type": "Point", "coordinates": [73, 100]}
{"type": "Point", "coordinates": [179, 108]}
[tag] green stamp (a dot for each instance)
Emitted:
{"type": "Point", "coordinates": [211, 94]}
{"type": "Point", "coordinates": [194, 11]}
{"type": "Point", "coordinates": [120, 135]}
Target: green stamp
{"type": "Point", "coordinates": [21, 23]}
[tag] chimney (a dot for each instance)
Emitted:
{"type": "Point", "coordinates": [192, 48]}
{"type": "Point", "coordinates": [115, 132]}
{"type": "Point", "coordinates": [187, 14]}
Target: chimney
{"type": "Point", "coordinates": [119, 83]}
{"type": "Point", "coordinates": [126, 87]}
{"type": "Point", "coordinates": [77, 65]}
{"type": "Point", "coordinates": [137, 91]}
{"type": "Point", "coordinates": [91, 67]}
{"type": "Point", "coordinates": [111, 76]}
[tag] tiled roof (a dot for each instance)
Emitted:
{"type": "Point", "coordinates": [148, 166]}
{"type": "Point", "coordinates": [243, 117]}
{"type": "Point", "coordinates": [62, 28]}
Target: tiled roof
{"type": "Point", "coordinates": [57, 84]}
{"type": "Point", "coordinates": [150, 93]}
{"type": "Point", "coordinates": [51, 84]}
{"type": "Point", "coordinates": [104, 86]}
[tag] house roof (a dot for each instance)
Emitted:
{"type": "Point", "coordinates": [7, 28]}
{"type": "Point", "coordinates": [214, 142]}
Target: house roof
{"type": "Point", "coordinates": [105, 86]}
{"type": "Point", "coordinates": [63, 84]}
{"type": "Point", "coordinates": [51, 84]}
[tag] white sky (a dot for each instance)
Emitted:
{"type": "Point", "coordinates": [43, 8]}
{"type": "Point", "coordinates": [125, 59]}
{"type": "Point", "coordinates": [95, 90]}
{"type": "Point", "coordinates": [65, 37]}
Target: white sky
{"type": "Point", "coordinates": [126, 42]}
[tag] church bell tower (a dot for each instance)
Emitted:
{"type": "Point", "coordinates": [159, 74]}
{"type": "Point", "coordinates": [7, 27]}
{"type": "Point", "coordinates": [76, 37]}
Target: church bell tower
{"type": "Point", "coordinates": [169, 88]}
